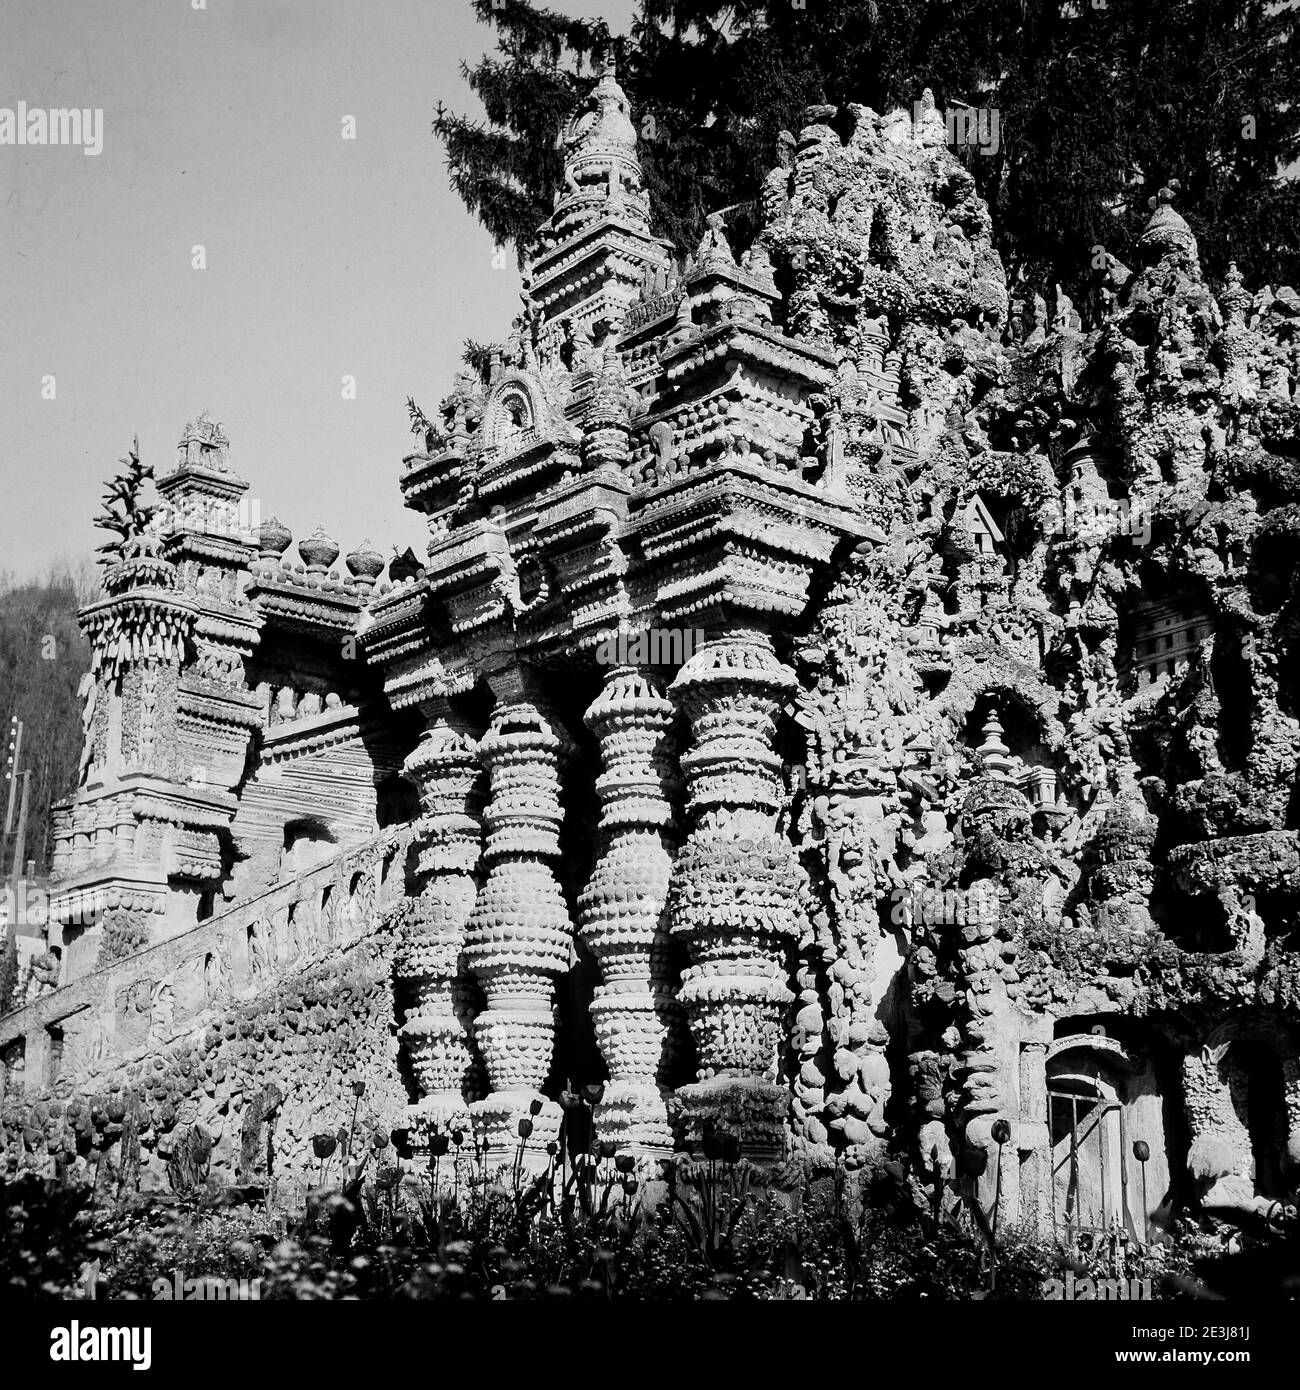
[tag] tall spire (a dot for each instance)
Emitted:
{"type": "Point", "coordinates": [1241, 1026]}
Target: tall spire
{"type": "Point", "coordinates": [602, 174]}
{"type": "Point", "coordinates": [597, 249]}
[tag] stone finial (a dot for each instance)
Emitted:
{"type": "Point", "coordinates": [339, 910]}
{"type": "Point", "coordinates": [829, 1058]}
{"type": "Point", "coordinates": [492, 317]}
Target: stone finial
{"type": "Point", "coordinates": [714, 248]}
{"type": "Point", "coordinates": [993, 752]}
{"type": "Point", "coordinates": [758, 263]}
{"type": "Point", "coordinates": [1235, 300]}
{"type": "Point", "coordinates": [273, 538]}
{"type": "Point", "coordinates": [203, 444]}
{"type": "Point", "coordinates": [600, 146]}
{"type": "Point", "coordinates": [318, 551]}
{"type": "Point", "coordinates": [365, 564]}
{"type": "Point", "coordinates": [927, 121]}
{"type": "Point", "coordinates": [1167, 232]}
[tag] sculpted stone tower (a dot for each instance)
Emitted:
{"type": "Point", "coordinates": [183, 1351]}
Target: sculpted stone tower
{"type": "Point", "coordinates": [841, 704]}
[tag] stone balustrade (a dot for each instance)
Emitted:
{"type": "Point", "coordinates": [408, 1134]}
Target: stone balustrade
{"type": "Point", "coordinates": [235, 955]}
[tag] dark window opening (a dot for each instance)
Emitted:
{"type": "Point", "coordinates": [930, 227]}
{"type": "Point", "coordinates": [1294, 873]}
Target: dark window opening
{"type": "Point", "coordinates": [54, 1057]}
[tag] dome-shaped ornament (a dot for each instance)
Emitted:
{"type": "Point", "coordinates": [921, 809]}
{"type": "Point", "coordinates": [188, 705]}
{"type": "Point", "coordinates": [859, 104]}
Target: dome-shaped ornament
{"type": "Point", "coordinates": [318, 551]}
{"type": "Point", "coordinates": [273, 538]}
{"type": "Point", "coordinates": [365, 564]}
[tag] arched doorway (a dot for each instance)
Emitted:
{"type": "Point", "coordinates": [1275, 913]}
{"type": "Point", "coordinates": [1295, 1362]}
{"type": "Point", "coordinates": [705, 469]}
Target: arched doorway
{"type": "Point", "coordinates": [1086, 1120]}
{"type": "Point", "coordinates": [1104, 1108]}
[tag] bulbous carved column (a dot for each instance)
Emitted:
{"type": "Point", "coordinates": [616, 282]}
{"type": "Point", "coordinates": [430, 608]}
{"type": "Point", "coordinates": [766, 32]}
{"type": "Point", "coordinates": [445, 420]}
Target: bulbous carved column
{"type": "Point", "coordinates": [520, 931]}
{"type": "Point", "coordinates": [622, 909]}
{"type": "Point", "coordinates": [735, 886]}
{"type": "Point", "coordinates": [431, 976]}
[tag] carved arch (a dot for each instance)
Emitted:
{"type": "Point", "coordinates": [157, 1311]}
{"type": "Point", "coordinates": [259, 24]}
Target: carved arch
{"type": "Point", "coordinates": [515, 411]}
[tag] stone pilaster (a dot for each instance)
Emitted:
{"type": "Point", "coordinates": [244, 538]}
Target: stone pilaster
{"type": "Point", "coordinates": [431, 977]}
{"type": "Point", "coordinates": [622, 910]}
{"type": "Point", "coordinates": [1219, 1156]}
{"type": "Point", "coordinates": [519, 934]}
{"type": "Point", "coordinates": [734, 891]}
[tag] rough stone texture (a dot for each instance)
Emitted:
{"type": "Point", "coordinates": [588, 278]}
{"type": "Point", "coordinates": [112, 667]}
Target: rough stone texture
{"type": "Point", "coordinates": [943, 781]}
{"type": "Point", "coordinates": [245, 1029]}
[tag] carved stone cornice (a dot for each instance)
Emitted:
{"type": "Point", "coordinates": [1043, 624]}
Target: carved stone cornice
{"type": "Point", "coordinates": [311, 734]}
{"type": "Point", "coordinates": [152, 624]}
{"type": "Point", "coordinates": [319, 607]}
{"type": "Point", "coordinates": [797, 361]}
{"type": "Point", "coordinates": [432, 482]}
{"type": "Point", "coordinates": [736, 538]}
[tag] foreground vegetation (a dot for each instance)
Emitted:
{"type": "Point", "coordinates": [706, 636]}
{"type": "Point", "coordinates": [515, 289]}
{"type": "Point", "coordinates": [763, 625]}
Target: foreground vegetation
{"type": "Point", "coordinates": [593, 1225]}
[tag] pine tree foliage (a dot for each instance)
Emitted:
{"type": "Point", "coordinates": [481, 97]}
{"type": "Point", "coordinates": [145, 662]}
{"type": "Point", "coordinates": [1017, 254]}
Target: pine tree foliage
{"type": "Point", "coordinates": [1099, 104]}
{"type": "Point", "coordinates": [478, 357]}
{"type": "Point", "coordinates": [506, 171]}
{"type": "Point", "coordinates": [124, 510]}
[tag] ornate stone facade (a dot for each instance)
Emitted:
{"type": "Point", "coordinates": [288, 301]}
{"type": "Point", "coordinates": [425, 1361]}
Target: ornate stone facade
{"type": "Point", "coordinates": [957, 815]}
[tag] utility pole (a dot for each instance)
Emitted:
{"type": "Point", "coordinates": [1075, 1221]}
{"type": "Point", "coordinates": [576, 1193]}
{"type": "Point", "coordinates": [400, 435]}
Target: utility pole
{"type": "Point", "coordinates": [9, 885]}
{"type": "Point", "coordinates": [20, 840]}
{"type": "Point", "coordinates": [11, 766]}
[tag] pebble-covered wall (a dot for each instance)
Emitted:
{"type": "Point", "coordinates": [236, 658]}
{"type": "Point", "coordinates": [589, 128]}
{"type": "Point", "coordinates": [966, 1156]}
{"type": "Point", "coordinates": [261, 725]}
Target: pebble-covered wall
{"type": "Point", "coordinates": [226, 1051]}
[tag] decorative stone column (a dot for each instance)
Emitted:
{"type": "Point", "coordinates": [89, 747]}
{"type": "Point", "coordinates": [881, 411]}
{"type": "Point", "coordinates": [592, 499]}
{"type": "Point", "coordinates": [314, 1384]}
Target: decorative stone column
{"type": "Point", "coordinates": [519, 934]}
{"type": "Point", "coordinates": [445, 770]}
{"type": "Point", "coordinates": [1032, 1134]}
{"type": "Point", "coordinates": [733, 898]}
{"type": "Point", "coordinates": [622, 910]}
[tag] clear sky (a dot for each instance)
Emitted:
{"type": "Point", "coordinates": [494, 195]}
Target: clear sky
{"type": "Point", "coordinates": [326, 257]}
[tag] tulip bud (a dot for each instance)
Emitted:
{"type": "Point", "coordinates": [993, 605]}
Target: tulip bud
{"type": "Point", "coordinates": [535, 1107]}
{"type": "Point", "coordinates": [525, 1128]}
{"type": "Point", "coordinates": [607, 1148]}
{"type": "Point", "coordinates": [1001, 1132]}
{"type": "Point", "coordinates": [438, 1145]}
{"type": "Point", "coordinates": [625, 1163]}
{"type": "Point", "coordinates": [458, 1137]}
{"type": "Point", "coordinates": [358, 1089]}
{"type": "Point", "coordinates": [1141, 1150]}
{"type": "Point", "coordinates": [552, 1149]}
